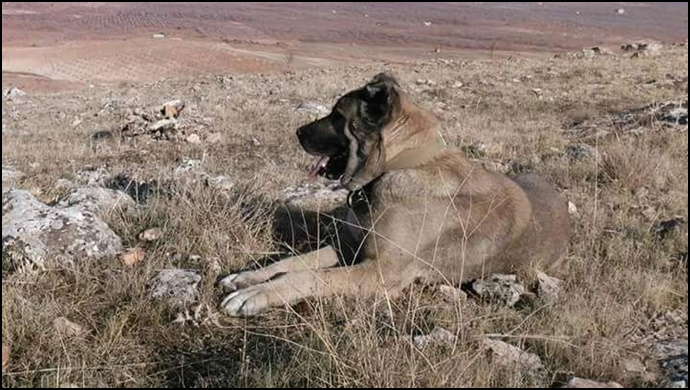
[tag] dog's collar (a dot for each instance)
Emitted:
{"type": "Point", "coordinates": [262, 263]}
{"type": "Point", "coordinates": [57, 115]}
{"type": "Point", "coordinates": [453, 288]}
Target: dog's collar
{"type": "Point", "coordinates": [360, 197]}
{"type": "Point", "coordinates": [414, 157]}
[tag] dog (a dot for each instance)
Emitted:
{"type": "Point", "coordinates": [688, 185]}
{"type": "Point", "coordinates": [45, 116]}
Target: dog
{"type": "Point", "coordinates": [420, 210]}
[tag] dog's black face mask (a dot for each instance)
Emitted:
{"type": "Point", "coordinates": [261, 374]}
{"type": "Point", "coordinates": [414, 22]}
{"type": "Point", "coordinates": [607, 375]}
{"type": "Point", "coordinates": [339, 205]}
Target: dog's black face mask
{"type": "Point", "coordinates": [350, 135]}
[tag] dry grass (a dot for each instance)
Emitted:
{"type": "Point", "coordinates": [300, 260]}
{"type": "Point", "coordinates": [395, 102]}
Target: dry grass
{"type": "Point", "coordinates": [620, 277]}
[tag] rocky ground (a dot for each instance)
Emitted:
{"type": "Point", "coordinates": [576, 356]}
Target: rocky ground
{"type": "Point", "coordinates": [122, 208]}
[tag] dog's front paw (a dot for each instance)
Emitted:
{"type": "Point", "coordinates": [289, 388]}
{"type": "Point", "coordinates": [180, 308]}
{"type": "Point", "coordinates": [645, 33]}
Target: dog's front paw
{"type": "Point", "coordinates": [240, 280]}
{"type": "Point", "coordinates": [228, 282]}
{"type": "Point", "coordinates": [246, 303]}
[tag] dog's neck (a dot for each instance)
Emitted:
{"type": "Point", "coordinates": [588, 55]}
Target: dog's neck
{"type": "Point", "coordinates": [412, 139]}
{"type": "Point", "coordinates": [414, 157]}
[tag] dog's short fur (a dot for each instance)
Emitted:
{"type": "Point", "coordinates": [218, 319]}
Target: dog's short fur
{"type": "Point", "coordinates": [420, 210]}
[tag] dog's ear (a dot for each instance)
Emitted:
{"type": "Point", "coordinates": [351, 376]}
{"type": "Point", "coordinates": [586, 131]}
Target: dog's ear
{"type": "Point", "coordinates": [379, 94]}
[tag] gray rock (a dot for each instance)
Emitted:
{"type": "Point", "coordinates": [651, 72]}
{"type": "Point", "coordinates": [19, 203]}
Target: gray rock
{"type": "Point", "coordinates": [588, 53]}
{"type": "Point", "coordinates": [93, 177]}
{"type": "Point", "coordinates": [10, 176]}
{"type": "Point", "coordinates": [677, 115]}
{"type": "Point", "coordinates": [222, 183]}
{"type": "Point", "coordinates": [187, 165]}
{"type": "Point", "coordinates": [193, 139]}
{"type": "Point", "coordinates": [635, 120]}
{"type": "Point", "coordinates": [647, 49]}
{"type": "Point", "coordinates": [163, 125]}
{"type": "Point", "coordinates": [581, 152]}
{"type": "Point", "coordinates": [150, 235]}
{"type": "Point", "coordinates": [549, 287]}
{"type": "Point", "coordinates": [630, 46]}
{"type": "Point", "coordinates": [313, 108]}
{"type": "Point", "coordinates": [13, 93]}
{"type": "Point", "coordinates": [510, 356]}
{"type": "Point", "coordinates": [498, 287]}
{"type": "Point", "coordinates": [315, 196]}
{"type": "Point", "coordinates": [580, 383]}
{"type": "Point", "coordinates": [38, 233]}
{"type": "Point", "coordinates": [673, 359]}
{"type": "Point", "coordinates": [451, 294]}
{"type": "Point", "coordinates": [438, 336]}
{"type": "Point", "coordinates": [601, 51]}
{"type": "Point", "coordinates": [179, 287]}
{"type": "Point", "coordinates": [98, 200]}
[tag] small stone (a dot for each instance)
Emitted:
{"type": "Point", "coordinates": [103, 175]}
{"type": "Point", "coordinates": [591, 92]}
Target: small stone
{"type": "Point", "coordinates": [580, 383]}
{"type": "Point", "coordinates": [179, 287]}
{"type": "Point", "coordinates": [151, 234]}
{"type": "Point", "coordinates": [98, 200]}
{"type": "Point", "coordinates": [222, 183]}
{"type": "Point", "coordinates": [451, 294]}
{"type": "Point", "coordinates": [13, 93]}
{"type": "Point", "coordinates": [194, 258]}
{"type": "Point", "coordinates": [133, 256]}
{"type": "Point", "coordinates": [549, 287]}
{"type": "Point", "coordinates": [194, 139]}
{"type": "Point", "coordinates": [509, 356]}
{"type": "Point", "coordinates": [581, 152]}
{"type": "Point", "coordinates": [163, 125]}
{"type": "Point", "coordinates": [438, 336]}
{"type": "Point", "coordinates": [673, 359]}
{"type": "Point", "coordinates": [68, 328]}
{"type": "Point", "coordinates": [500, 287]}
{"type": "Point", "coordinates": [572, 209]}
{"type": "Point", "coordinates": [677, 385]}
{"type": "Point", "coordinates": [187, 165]}
{"type": "Point", "coordinates": [313, 108]}
{"type": "Point", "coordinates": [588, 53]}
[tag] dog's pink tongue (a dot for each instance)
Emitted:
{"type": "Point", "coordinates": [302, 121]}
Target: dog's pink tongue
{"type": "Point", "coordinates": [320, 164]}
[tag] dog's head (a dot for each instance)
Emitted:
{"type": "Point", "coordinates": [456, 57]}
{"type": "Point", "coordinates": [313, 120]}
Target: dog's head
{"type": "Point", "coordinates": [365, 126]}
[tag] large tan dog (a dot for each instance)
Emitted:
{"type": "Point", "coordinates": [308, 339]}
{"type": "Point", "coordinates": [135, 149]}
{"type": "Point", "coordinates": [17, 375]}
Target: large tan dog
{"type": "Point", "coordinates": [420, 210]}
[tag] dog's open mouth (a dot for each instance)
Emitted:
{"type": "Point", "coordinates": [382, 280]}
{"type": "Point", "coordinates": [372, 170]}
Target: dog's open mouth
{"type": "Point", "coordinates": [329, 167]}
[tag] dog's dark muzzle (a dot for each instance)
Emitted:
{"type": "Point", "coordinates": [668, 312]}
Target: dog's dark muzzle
{"type": "Point", "coordinates": [322, 138]}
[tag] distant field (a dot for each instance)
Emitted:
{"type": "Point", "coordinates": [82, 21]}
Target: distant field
{"type": "Point", "coordinates": [84, 43]}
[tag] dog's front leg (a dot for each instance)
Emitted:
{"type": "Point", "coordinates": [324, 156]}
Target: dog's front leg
{"type": "Point", "coordinates": [321, 258]}
{"type": "Point", "coordinates": [363, 279]}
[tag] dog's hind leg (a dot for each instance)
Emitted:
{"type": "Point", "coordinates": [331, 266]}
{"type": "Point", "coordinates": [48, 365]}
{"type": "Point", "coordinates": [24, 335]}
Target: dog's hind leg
{"type": "Point", "coordinates": [363, 279]}
{"type": "Point", "coordinates": [323, 258]}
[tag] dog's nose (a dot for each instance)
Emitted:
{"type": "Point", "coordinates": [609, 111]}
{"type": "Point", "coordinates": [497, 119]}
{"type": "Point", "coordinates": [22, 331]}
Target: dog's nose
{"type": "Point", "coordinates": [300, 131]}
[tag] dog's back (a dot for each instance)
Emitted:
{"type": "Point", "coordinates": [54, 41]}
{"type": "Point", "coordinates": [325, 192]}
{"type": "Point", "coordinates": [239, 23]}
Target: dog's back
{"type": "Point", "coordinates": [546, 237]}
